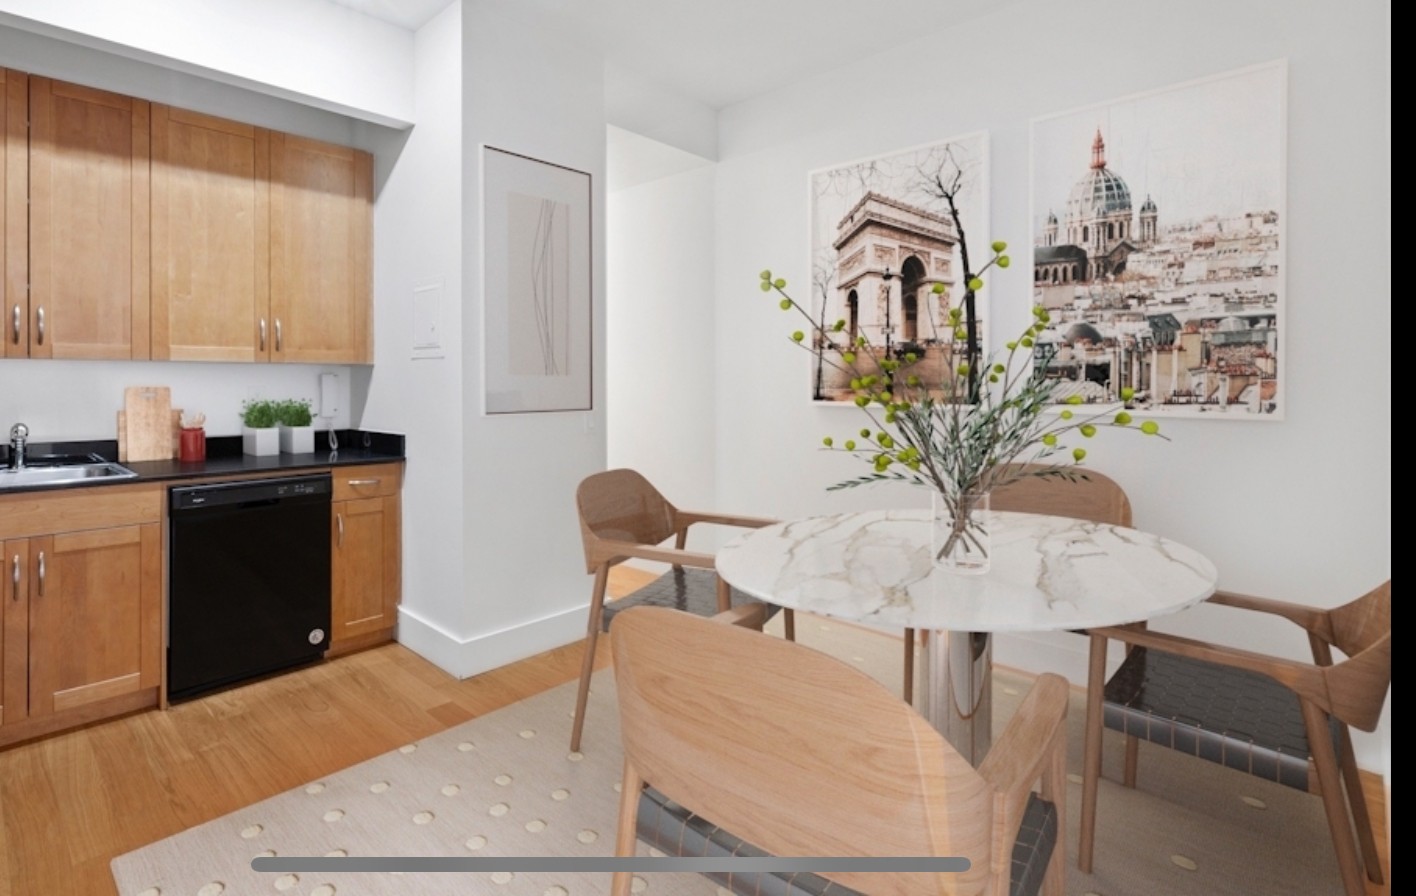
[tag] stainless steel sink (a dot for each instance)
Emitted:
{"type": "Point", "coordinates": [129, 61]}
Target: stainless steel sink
{"type": "Point", "coordinates": [62, 470]}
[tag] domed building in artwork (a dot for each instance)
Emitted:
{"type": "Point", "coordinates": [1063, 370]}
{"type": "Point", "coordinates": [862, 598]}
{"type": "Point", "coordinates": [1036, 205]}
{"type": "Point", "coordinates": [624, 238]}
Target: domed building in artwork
{"type": "Point", "coordinates": [1098, 230]}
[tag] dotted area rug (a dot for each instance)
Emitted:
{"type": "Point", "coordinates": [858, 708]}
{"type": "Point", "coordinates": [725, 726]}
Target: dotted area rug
{"type": "Point", "coordinates": [505, 784]}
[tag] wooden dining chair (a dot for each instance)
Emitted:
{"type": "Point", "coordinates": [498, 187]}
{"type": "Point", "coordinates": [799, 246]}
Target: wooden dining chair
{"type": "Point", "coordinates": [623, 517]}
{"type": "Point", "coordinates": [1096, 498]}
{"type": "Point", "coordinates": [1275, 718]}
{"type": "Point", "coordinates": [753, 746]}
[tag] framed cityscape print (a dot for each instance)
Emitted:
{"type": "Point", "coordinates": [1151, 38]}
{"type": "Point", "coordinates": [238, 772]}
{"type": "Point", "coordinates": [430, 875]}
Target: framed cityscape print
{"type": "Point", "coordinates": [1158, 247]}
{"type": "Point", "coordinates": [536, 339]}
{"type": "Point", "coordinates": [885, 232]}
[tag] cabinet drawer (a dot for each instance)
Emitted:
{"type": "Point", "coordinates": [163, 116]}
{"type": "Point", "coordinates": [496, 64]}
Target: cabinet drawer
{"type": "Point", "coordinates": [371, 481]}
{"type": "Point", "coordinates": [34, 513]}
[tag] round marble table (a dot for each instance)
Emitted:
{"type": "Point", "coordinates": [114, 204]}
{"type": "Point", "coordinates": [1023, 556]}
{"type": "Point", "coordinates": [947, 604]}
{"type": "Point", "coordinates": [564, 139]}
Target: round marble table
{"type": "Point", "coordinates": [1046, 573]}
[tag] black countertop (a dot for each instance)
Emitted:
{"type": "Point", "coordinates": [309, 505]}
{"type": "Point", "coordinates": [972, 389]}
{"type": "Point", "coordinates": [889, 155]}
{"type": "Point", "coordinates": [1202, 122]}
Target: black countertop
{"type": "Point", "coordinates": [224, 458]}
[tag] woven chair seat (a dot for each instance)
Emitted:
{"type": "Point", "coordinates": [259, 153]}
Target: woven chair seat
{"type": "Point", "coordinates": [1239, 719]}
{"type": "Point", "coordinates": [673, 830]}
{"type": "Point", "coordinates": [692, 590]}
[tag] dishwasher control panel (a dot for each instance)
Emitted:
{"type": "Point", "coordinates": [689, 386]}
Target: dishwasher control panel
{"type": "Point", "coordinates": [191, 497]}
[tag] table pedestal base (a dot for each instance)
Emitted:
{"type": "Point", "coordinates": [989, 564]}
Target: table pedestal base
{"type": "Point", "coordinates": [956, 695]}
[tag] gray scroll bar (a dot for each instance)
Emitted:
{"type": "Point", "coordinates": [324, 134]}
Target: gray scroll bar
{"type": "Point", "coordinates": [607, 864]}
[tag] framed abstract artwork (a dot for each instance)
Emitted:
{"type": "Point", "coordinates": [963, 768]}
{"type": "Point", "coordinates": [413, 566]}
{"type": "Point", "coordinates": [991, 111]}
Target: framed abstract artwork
{"type": "Point", "coordinates": [536, 263]}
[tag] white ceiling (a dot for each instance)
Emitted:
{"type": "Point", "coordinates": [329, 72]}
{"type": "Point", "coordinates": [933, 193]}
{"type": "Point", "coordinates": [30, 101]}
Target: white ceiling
{"type": "Point", "coordinates": [632, 159]}
{"type": "Point", "coordinates": [410, 14]}
{"type": "Point", "coordinates": [723, 51]}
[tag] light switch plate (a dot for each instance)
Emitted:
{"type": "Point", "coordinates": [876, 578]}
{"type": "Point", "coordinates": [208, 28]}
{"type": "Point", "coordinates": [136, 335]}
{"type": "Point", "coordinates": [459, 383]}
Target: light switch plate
{"type": "Point", "coordinates": [427, 320]}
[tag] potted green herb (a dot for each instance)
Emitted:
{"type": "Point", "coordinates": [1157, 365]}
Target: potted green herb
{"type": "Point", "coordinates": [259, 435]}
{"type": "Point", "coordinates": [297, 433]}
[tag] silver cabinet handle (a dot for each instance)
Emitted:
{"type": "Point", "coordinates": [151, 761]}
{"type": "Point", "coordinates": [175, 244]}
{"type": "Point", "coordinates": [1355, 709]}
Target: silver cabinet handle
{"type": "Point", "coordinates": [278, 341]}
{"type": "Point", "coordinates": [339, 519]}
{"type": "Point", "coordinates": [41, 573]}
{"type": "Point", "coordinates": [39, 324]}
{"type": "Point", "coordinates": [357, 482]}
{"type": "Point", "coordinates": [15, 326]}
{"type": "Point", "coordinates": [263, 334]}
{"type": "Point", "coordinates": [15, 576]}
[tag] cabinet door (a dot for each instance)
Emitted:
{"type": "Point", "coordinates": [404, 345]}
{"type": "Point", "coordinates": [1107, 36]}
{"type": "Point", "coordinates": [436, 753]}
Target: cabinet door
{"type": "Point", "coordinates": [210, 238]}
{"type": "Point", "coordinates": [14, 630]}
{"type": "Point", "coordinates": [14, 212]}
{"type": "Point", "coordinates": [320, 257]}
{"type": "Point", "coordinates": [366, 576]}
{"type": "Point", "coordinates": [95, 616]}
{"type": "Point", "coordinates": [88, 224]}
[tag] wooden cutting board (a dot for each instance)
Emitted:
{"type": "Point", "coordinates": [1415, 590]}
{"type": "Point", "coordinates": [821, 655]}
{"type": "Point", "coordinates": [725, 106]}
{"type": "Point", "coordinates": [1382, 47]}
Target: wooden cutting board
{"type": "Point", "coordinates": [147, 412]}
{"type": "Point", "coordinates": [123, 434]}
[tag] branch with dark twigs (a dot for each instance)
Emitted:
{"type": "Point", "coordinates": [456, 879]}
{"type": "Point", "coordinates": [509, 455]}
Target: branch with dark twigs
{"type": "Point", "coordinates": [958, 442]}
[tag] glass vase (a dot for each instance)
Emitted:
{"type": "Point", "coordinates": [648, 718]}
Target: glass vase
{"type": "Point", "coordinates": [959, 533]}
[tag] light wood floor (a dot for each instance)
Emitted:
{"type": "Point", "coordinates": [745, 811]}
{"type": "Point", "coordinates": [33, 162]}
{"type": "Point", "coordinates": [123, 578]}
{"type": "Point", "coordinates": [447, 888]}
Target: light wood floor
{"type": "Point", "coordinates": [71, 802]}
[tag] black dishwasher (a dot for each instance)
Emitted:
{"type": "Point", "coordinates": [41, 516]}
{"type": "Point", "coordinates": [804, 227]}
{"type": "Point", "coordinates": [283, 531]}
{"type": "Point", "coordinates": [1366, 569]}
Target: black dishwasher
{"type": "Point", "coordinates": [249, 580]}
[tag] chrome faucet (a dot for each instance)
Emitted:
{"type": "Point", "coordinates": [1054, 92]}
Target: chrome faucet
{"type": "Point", "coordinates": [19, 433]}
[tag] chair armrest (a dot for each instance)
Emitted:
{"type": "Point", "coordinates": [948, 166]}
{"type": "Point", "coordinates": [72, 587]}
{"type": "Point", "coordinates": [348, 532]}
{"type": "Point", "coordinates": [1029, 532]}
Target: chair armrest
{"type": "Point", "coordinates": [614, 551]}
{"type": "Point", "coordinates": [1310, 618]}
{"type": "Point", "coordinates": [1305, 679]}
{"type": "Point", "coordinates": [686, 518]}
{"type": "Point", "coordinates": [1025, 751]}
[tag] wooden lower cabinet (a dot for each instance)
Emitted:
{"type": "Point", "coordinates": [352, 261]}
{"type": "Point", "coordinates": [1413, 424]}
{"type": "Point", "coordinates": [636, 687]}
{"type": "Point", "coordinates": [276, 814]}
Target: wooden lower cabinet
{"type": "Point", "coordinates": [81, 627]}
{"type": "Point", "coordinates": [14, 633]}
{"type": "Point", "coordinates": [95, 617]}
{"type": "Point", "coordinates": [81, 594]}
{"type": "Point", "coordinates": [366, 578]}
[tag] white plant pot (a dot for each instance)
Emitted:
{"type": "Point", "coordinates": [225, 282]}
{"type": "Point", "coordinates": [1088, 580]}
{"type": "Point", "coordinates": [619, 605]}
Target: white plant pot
{"type": "Point", "coordinates": [260, 441]}
{"type": "Point", "coordinates": [297, 439]}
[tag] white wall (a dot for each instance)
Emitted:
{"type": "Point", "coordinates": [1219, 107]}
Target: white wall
{"type": "Point", "coordinates": [659, 304]}
{"type": "Point", "coordinates": [645, 107]}
{"type": "Point", "coordinates": [70, 400]}
{"type": "Point", "coordinates": [311, 51]}
{"type": "Point", "coordinates": [68, 61]}
{"type": "Point", "coordinates": [1298, 509]}
{"type": "Point", "coordinates": [418, 243]}
{"type": "Point", "coordinates": [526, 588]}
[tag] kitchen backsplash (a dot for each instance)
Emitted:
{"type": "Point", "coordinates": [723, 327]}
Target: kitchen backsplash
{"type": "Point", "coordinates": [64, 400]}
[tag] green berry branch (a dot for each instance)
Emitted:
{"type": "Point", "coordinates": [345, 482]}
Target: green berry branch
{"type": "Point", "coordinates": [980, 427]}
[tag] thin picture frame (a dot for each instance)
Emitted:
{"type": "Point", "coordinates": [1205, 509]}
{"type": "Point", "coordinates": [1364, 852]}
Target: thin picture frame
{"type": "Point", "coordinates": [537, 285]}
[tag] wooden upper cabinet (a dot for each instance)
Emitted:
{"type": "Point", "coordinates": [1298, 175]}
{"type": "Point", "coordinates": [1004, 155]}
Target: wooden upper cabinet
{"type": "Point", "coordinates": [137, 230]}
{"type": "Point", "coordinates": [210, 238]}
{"type": "Point", "coordinates": [320, 257]}
{"type": "Point", "coordinates": [14, 214]}
{"type": "Point", "coordinates": [88, 222]}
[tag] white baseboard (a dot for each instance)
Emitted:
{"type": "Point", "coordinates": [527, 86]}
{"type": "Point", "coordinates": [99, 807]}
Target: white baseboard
{"type": "Point", "coordinates": [463, 657]}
